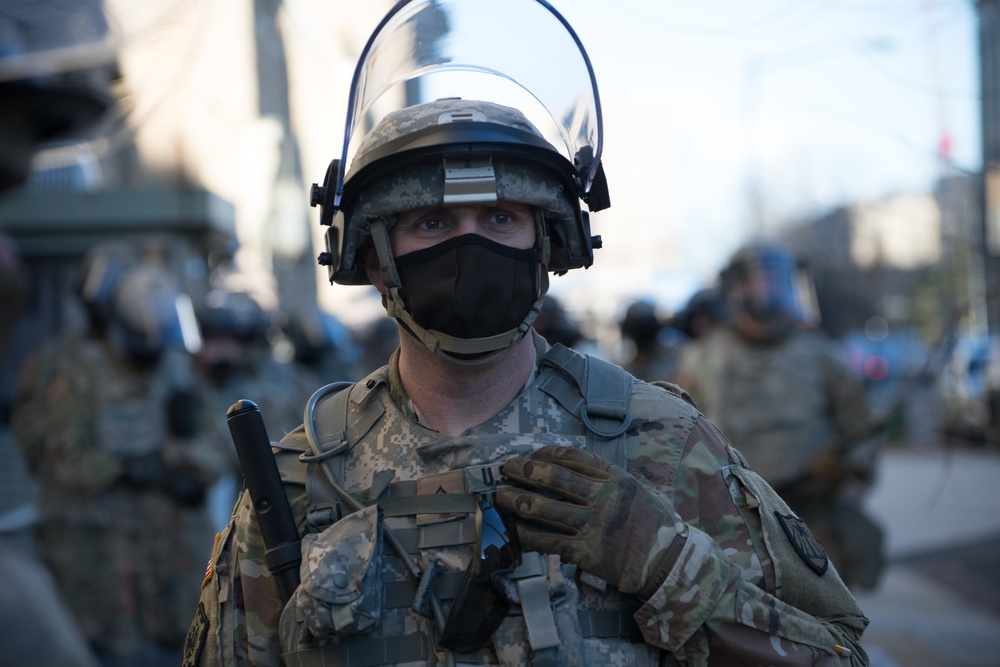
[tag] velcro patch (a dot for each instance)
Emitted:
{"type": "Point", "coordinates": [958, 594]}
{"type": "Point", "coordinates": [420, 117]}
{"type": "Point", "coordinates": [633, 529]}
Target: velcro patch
{"type": "Point", "coordinates": [805, 545]}
{"type": "Point", "coordinates": [210, 568]}
{"type": "Point", "coordinates": [194, 643]}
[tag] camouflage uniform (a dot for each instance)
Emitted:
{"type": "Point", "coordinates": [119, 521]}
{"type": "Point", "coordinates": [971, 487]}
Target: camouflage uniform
{"type": "Point", "coordinates": [275, 386]}
{"type": "Point", "coordinates": [125, 553]}
{"type": "Point", "coordinates": [739, 587]}
{"type": "Point", "coordinates": [800, 417]}
{"type": "Point", "coordinates": [652, 363]}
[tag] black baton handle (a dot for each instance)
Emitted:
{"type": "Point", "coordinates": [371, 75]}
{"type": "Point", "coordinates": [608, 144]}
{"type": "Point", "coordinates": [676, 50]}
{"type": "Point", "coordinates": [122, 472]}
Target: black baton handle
{"type": "Point", "coordinates": [274, 514]}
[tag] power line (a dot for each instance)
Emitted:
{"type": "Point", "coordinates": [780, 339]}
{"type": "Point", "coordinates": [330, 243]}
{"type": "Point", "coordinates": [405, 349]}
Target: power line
{"type": "Point", "coordinates": [854, 120]}
{"type": "Point", "coordinates": [866, 52]}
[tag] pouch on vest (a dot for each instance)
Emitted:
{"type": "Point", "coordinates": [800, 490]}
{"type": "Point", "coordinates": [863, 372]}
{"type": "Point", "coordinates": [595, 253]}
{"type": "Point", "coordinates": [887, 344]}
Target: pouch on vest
{"type": "Point", "coordinates": [543, 616]}
{"type": "Point", "coordinates": [341, 589]}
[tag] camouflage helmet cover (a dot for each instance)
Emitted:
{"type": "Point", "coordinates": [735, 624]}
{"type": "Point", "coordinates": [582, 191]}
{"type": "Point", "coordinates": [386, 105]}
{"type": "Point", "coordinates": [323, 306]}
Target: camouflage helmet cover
{"type": "Point", "coordinates": [399, 166]}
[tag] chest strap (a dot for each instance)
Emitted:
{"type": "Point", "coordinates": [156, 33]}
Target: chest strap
{"type": "Point", "coordinates": [595, 391]}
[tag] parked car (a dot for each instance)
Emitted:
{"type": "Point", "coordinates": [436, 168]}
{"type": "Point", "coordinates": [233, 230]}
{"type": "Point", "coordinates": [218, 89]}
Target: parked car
{"type": "Point", "coordinates": [969, 388]}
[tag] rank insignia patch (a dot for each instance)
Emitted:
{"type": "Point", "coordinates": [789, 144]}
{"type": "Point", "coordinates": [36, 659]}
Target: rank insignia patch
{"type": "Point", "coordinates": [803, 542]}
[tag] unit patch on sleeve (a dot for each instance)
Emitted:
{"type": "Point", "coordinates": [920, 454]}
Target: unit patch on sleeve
{"type": "Point", "coordinates": [803, 542]}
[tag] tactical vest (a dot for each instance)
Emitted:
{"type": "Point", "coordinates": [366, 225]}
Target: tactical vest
{"type": "Point", "coordinates": [595, 392]}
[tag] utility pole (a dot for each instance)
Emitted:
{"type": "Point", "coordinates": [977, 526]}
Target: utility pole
{"type": "Point", "coordinates": [989, 78]}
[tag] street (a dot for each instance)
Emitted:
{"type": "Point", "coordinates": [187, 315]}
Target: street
{"type": "Point", "coordinates": [938, 603]}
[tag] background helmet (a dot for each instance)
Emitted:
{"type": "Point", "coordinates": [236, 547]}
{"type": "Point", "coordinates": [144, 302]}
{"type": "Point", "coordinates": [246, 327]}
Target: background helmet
{"type": "Point", "coordinates": [99, 275]}
{"type": "Point", "coordinates": [224, 313]}
{"type": "Point", "coordinates": [150, 313]}
{"type": "Point", "coordinates": [705, 310]}
{"type": "Point", "coordinates": [766, 288]}
{"type": "Point", "coordinates": [641, 323]}
{"type": "Point", "coordinates": [316, 334]}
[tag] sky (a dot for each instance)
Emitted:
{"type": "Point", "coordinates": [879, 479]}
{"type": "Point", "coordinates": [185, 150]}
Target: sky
{"type": "Point", "coordinates": [801, 105]}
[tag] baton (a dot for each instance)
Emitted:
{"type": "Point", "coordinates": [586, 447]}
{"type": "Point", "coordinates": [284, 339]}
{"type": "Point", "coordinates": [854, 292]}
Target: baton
{"type": "Point", "coordinates": [274, 515]}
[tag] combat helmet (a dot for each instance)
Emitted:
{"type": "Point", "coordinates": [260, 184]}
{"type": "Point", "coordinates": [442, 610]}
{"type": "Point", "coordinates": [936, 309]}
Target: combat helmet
{"type": "Point", "coordinates": [768, 290]}
{"type": "Point", "coordinates": [479, 149]}
{"type": "Point", "coordinates": [454, 151]}
{"type": "Point", "coordinates": [458, 148]}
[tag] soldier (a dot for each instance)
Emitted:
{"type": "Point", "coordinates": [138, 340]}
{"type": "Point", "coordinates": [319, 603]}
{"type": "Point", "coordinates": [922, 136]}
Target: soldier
{"type": "Point", "coordinates": [555, 324]}
{"type": "Point", "coordinates": [43, 99]}
{"type": "Point", "coordinates": [777, 387]}
{"type": "Point", "coordinates": [324, 348]}
{"type": "Point", "coordinates": [238, 359]}
{"type": "Point", "coordinates": [111, 423]}
{"type": "Point", "coordinates": [704, 311]}
{"type": "Point", "coordinates": [652, 356]}
{"type": "Point", "coordinates": [486, 498]}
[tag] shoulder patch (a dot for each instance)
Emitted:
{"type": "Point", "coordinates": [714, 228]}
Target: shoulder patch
{"type": "Point", "coordinates": [805, 545]}
{"type": "Point", "coordinates": [194, 643]}
{"type": "Point", "coordinates": [210, 568]}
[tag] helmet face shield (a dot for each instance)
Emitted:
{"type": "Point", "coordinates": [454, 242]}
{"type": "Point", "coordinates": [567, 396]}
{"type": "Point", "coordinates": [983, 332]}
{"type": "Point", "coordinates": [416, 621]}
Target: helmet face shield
{"type": "Point", "coordinates": [764, 289]}
{"type": "Point", "coordinates": [428, 49]}
{"type": "Point", "coordinates": [769, 285]}
{"type": "Point", "coordinates": [152, 314]}
{"type": "Point", "coordinates": [420, 134]}
{"type": "Point", "coordinates": [417, 136]}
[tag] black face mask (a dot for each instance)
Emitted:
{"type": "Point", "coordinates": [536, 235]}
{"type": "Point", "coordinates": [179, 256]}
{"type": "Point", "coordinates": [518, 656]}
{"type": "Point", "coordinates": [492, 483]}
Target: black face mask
{"type": "Point", "coordinates": [469, 286]}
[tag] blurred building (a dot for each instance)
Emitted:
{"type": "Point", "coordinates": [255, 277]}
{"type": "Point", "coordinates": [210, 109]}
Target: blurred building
{"type": "Point", "coordinates": [866, 259]}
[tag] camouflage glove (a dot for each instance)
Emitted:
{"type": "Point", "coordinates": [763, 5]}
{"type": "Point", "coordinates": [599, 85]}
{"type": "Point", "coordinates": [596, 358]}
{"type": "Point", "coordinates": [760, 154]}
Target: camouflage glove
{"type": "Point", "coordinates": [610, 523]}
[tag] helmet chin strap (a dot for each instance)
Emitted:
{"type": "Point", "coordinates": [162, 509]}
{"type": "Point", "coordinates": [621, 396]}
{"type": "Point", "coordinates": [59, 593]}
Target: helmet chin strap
{"type": "Point", "coordinates": [473, 351]}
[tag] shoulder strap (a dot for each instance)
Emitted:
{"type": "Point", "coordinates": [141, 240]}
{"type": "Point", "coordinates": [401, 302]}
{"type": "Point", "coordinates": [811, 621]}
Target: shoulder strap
{"type": "Point", "coordinates": [337, 430]}
{"type": "Point", "coordinates": [597, 392]}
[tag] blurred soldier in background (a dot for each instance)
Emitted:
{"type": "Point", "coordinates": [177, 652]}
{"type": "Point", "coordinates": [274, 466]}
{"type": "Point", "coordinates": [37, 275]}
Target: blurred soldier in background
{"type": "Point", "coordinates": [324, 350]}
{"type": "Point", "coordinates": [36, 627]}
{"type": "Point", "coordinates": [650, 352]}
{"type": "Point", "coordinates": [112, 423]}
{"type": "Point", "coordinates": [237, 358]}
{"type": "Point", "coordinates": [42, 99]}
{"type": "Point", "coordinates": [555, 324]}
{"type": "Point", "coordinates": [705, 310]}
{"type": "Point", "coordinates": [777, 387]}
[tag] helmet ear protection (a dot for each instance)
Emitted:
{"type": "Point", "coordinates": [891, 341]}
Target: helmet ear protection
{"type": "Point", "coordinates": [323, 197]}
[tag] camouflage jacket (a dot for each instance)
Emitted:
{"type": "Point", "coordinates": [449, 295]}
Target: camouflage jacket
{"type": "Point", "coordinates": [783, 405]}
{"type": "Point", "coordinates": [124, 549]}
{"type": "Point", "coordinates": [744, 589]}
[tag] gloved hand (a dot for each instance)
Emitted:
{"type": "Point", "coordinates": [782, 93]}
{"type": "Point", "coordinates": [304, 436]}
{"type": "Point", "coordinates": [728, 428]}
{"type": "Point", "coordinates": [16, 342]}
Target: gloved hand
{"type": "Point", "coordinates": [610, 523]}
